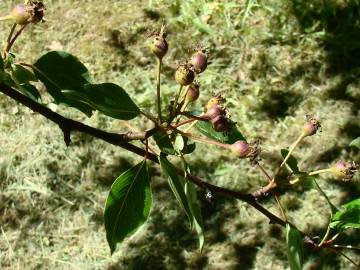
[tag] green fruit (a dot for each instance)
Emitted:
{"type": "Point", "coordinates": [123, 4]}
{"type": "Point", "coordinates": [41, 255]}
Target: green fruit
{"type": "Point", "coordinates": [159, 46]}
{"type": "Point", "coordinates": [192, 92]}
{"type": "Point", "coordinates": [184, 75]}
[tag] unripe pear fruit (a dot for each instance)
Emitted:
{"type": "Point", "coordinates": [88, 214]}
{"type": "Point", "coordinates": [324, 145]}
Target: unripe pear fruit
{"type": "Point", "coordinates": [220, 123]}
{"type": "Point", "coordinates": [184, 75]}
{"type": "Point", "coordinates": [311, 126]}
{"type": "Point", "coordinates": [343, 170]}
{"type": "Point", "coordinates": [218, 100]}
{"type": "Point", "coordinates": [192, 93]}
{"type": "Point", "coordinates": [21, 13]}
{"type": "Point", "coordinates": [159, 46]}
{"type": "Point", "coordinates": [214, 111]}
{"type": "Point", "coordinates": [199, 61]}
{"type": "Point", "coordinates": [241, 149]}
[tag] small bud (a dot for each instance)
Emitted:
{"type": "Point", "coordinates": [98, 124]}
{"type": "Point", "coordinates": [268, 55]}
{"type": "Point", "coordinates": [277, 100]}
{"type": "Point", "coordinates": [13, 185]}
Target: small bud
{"type": "Point", "coordinates": [199, 60]}
{"type": "Point", "coordinates": [220, 123]}
{"type": "Point", "coordinates": [311, 126]}
{"type": "Point", "coordinates": [240, 149]}
{"type": "Point", "coordinates": [159, 45]}
{"type": "Point", "coordinates": [184, 75]}
{"type": "Point", "coordinates": [217, 100]}
{"type": "Point", "coordinates": [344, 170]}
{"type": "Point", "coordinates": [192, 92]}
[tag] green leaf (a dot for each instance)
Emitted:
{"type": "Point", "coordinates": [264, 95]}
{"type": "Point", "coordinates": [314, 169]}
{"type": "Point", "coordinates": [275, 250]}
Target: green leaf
{"type": "Point", "coordinates": [5, 78]}
{"type": "Point", "coordinates": [108, 98]}
{"type": "Point", "coordinates": [164, 143]}
{"type": "Point", "coordinates": [128, 204]}
{"type": "Point", "coordinates": [179, 143]}
{"type": "Point", "coordinates": [356, 143]}
{"type": "Point", "coordinates": [182, 145]}
{"type": "Point", "coordinates": [189, 148]}
{"type": "Point", "coordinates": [294, 247]}
{"type": "Point", "coordinates": [176, 184]}
{"type": "Point", "coordinates": [30, 91]}
{"type": "Point", "coordinates": [292, 163]}
{"type": "Point", "coordinates": [229, 137]}
{"type": "Point", "coordinates": [23, 75]}
{"type": "Point", "coordinates": [348, 216]}
{"type": "Point", "coordinates": [195, 209]}
{"type": "Point", "coordinates": [59, 71]}
{"type": "Point", "coordinates": [332, 206]}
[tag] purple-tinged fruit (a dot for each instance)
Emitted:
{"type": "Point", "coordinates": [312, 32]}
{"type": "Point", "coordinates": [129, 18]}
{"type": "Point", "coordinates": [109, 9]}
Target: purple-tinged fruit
{"type": "Point", "coordinates": [241, 149]}
{"type": "Point", "coordinates": [344, 170]}
{"type": "Point", "coordinates": [220, 123]}
{"type": "Point", "coordinates": [199, 60]}
{"type": "Point", "coordinates": [22, 14]}
{"type": "Point", "coordinates": [311, 126]}
{"type": "Point", "coordinates": [214, 111]}
{"type": "Point", "coordinates": [159, 45]}
{"type": "Point", "coordinates": [193, 92]}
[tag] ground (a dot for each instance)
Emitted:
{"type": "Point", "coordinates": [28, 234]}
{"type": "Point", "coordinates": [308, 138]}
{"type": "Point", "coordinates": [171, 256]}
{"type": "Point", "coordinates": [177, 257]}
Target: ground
{"type": "Point", "coordinates": [274, 61]}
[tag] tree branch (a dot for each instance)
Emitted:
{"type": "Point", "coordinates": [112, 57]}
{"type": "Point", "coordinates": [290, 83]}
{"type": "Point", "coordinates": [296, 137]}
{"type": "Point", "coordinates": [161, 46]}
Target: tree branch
{"type": "Point", "coordinates": [67, 125]}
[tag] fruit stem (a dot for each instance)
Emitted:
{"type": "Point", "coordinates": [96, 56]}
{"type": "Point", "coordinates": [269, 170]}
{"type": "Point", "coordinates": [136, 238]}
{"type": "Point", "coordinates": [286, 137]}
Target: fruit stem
{"type": "Point", "coordinates": [9, 39]}
{"type": "Point", "coordinates": [325, 236]}
{"type": "Point", "coordinates": [176, 100]}
{"type": "Point", "coordinates": [202, 139]}
{"type": "Point", "coordinates": [7, 17]}
{"type": "Point", "coordinates": [11, 43]}
{"type": "Point", "coordinates": [292, 182]}
{"type": "Point", "coordinates": [159, 63]}
{"type": "Point", "coordinates": [291, 150]}
{"type": "Point", "coordinates": [148, 116]}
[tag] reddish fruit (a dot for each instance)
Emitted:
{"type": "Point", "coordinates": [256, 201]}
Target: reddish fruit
{"type": "Point", "coordinates": [214, 111]}
{"type": "Point", "coordinates": [344, 170]}
{"type": "Point", "coordinates": [192, 92]}
{"type": "Point", "coordinates": [199, 60]}
{"type": "Point", "coordinates": [22, 14]}
{"type": "Point", "coordinates": [220, 123]}
{"type": "Point", "coordinates": [184, 75]}
{"type": "Point", "coordinates": [241, 149]}
{"type": "Point", "coordinates": [159, 46]}
{"type": "Point", "coordinates": [311, 126]}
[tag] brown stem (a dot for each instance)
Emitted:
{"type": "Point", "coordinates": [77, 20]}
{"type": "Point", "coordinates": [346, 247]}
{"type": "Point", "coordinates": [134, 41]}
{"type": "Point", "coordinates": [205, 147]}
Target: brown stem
{"type": "Point", "coordinates": [11, 43]}
{"type": "Point", "coordinates": [184, 123]}
{"type": "Point", "coordinates": [67, 125]}
{"type": "Point", "coordinates": [158, 94]}
{"type": "Point", "coordinates": [191, 116]}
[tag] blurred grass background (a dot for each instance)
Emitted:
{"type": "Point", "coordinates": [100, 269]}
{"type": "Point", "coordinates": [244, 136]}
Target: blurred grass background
{"type": "Point", "coordinates": [274, 61]}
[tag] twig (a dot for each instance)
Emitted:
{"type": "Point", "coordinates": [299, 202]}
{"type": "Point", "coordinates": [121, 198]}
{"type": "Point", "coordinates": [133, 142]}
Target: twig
{"type": "Point", "coordinates": [11, 43]}
{"type": "Point", "coordinates": [158, 94]}
{"type": "Point", "coordinates": [122, 140]}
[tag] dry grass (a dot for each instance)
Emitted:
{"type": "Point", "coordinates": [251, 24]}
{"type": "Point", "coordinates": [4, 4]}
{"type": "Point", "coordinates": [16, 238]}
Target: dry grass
{"type": "Point", "coordinates": [275, 63]}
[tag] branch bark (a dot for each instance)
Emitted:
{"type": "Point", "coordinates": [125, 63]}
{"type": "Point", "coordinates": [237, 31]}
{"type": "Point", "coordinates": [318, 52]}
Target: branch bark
{"type": "Point", "coordinates": [68, 125]}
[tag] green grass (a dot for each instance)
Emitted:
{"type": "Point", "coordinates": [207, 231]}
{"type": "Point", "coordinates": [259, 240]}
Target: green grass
{"type": "Point", "coordinates": [274, 61]}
